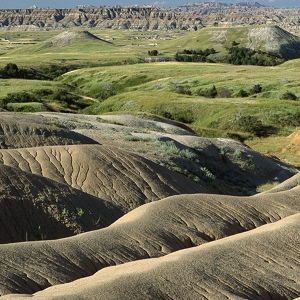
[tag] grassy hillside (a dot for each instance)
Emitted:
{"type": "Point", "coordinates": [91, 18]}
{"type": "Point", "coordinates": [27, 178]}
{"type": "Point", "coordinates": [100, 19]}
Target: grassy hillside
{"type": "Point", "coordinates": [108, 75]}
{"type": "Point", "coordinates": [176, 90]}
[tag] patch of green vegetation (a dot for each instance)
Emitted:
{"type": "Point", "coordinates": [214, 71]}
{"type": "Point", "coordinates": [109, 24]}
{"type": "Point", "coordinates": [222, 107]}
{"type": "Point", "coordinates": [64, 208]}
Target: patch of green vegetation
{"type": "Point", "coordinates": [65, 212]}
{"type": "Point", "coordinates": [105, 78]}
{"type": "Point", "coordinates": [246, 56]}
{"type": "Point", "coordinates": [42, 100]}
{"type": "Point", "coordinates": [26, 107]}
{"type": "Point", "coordinates": [267, 186]}
{"type": "Point", "coordinates": [80, 212]}
{"type": "Point", "coordinates": [169, 148]}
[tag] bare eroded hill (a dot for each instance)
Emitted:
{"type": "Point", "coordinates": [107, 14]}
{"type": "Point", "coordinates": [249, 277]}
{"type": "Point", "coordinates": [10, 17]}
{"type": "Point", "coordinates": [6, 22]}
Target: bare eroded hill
{"type": "Point", "coordinates": [134, 228]}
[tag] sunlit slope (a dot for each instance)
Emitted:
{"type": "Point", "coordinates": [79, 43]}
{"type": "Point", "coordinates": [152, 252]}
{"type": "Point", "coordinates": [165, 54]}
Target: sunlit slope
{"type": "Point", "coordinates": [70, 42]}
{"type": "Point", "coordinates": [260, 264]}
{"type": "Point", "coordinates": [76, 47]}
{"type": "Point", "coordinates": [123, 178]}
{"type": "Point", "coordinates": [162, 227]}
{"type": "Point", "coordinates": [173, 90]}
{"type": "Point", "coordinates": [266, 38]}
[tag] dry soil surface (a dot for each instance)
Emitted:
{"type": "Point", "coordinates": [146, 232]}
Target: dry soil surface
{"type": "Point", "coordinates": [139, 203]}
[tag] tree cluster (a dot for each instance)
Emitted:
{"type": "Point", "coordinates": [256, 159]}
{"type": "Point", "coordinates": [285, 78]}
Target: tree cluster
{"type": "Point", "coordinates": [246, 56]}
{"type": "Point", "coordinates": [195, 55]}
{"type": "Point", "coordinates": [48, 72]}
{"type": "Point", "coordinates": [236, 55]}
{"type": "Point", "coordinates": [11, 70]}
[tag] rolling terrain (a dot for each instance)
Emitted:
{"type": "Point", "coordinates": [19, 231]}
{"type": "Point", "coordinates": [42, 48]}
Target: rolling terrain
{"type": "Point", "coordinates": [123, 179]}
{"type": "Point", "coordinates": [235, 268]}
{"type": "Point", "coordinates": [126, 218]}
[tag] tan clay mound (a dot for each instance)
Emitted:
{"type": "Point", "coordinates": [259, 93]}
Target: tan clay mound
{"type": "Point", "coordinates": [22, 133]}
{"type": "Point", "coordinates": [125, 179]}
{"type": "Point", "coordinates": [66, 37]}
{"type": "Point", "coordinates": [261, 264]}
{"type": "Point", "coordinates": [35, 208]}
{"type": "Point", "coordinates": [152, 230]}
{"type": "Point", "coordinates": [294, 144]}
{"type": "Point", "coordinates": [227, 165]}
{"type": "Point", "coordinates": [236, 163]}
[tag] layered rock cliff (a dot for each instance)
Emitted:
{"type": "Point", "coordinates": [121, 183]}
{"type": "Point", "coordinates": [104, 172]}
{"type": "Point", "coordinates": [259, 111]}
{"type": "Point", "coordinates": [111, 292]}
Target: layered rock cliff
{"type": "Point", "coordinates": [145, 18]}
{"type": "Point", "coordinates": [188, 17]}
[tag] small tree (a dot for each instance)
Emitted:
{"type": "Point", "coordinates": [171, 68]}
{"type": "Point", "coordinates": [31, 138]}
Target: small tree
{"type": "Point", "coordinates": [153, 52]}
{"type": "Point", "coordinates": [242, 93]}
{"type": "Point", "coordinates": [11, 70]}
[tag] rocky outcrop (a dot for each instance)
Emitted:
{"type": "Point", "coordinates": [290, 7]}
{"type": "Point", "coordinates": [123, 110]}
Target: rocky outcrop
{"type": "Point", "coordinates": [145, 18]}
{"type": "Point", "coordinates": [187, 17]}
{"type": "Point", "coordinates": [276, 40]}
{"type": "Point", "coordinates": [244, 14]}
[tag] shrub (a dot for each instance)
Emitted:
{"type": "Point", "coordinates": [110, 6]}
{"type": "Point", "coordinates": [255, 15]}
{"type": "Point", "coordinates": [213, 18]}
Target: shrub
{"type": "Point", "coordinates": [242, 93]}
{"type": "Point", "coordinates": [209, 93]}
{"type": "Point", "coordinates": [246, 56]}
{"type": "Point", "coordinates": [11, 70]}
{"type": "Point", "coordinates": [207, 174]}
{"type": "Point", "coordinates": [188, 55]}
{"type": "Point", "coordinates": [212, 93]}
{"type": "Point", "coordinates": [188, 154]}
{"type": "Point", "coordinates": [289, 96]}
{"type": "Point", "coordinates": [153, 52]}
{"type": "Point", "coordinates": [180, 89]}
{"type": "Point", "coordinates": [19, 97]}
{"type": "Point", "coordinates": [255, 126]}
{"type": "Point", "coordinates": [256, 89]}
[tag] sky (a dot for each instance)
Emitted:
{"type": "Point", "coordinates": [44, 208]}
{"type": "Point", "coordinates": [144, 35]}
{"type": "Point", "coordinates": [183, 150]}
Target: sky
{"type": "Point", "coordinates": [9, 4]}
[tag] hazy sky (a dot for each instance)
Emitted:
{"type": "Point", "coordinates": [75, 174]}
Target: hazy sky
{"type": "Point", "coordinates": [6, 4]}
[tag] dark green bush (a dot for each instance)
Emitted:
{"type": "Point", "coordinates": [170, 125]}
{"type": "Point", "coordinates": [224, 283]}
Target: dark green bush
{"type": "Point", "coordinates": [289, 96]}
{"type": "Point", "coordinates": [209, 93]}
{"type": "Point", "coordinates": [187, 55]}
{"type": "Point", "coordinates": [242, 93]}
{"type": "Point", "coordinates": [19, 97]}
{"type": "Point", "coordinates": [255, 126]}
{"type": "Point", "coordinates": [153, 52]}
{"type": "Point", "coordinates": [246, 56]}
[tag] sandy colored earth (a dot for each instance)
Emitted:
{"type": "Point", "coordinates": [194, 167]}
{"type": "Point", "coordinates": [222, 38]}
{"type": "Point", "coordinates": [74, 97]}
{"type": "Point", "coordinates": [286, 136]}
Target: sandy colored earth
{"type": "Point", "coordinates": [294, 144]}
{"type": "Point", "coordinates": [98, 207]}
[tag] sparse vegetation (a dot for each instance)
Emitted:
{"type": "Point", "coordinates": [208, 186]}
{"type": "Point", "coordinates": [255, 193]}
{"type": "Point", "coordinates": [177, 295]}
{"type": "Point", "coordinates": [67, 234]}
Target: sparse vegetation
{"type": "Point", "coordinates": [65, 212]}
{"type": "Point", "coordinates": [80, 212]}
{"type": "Point", "coordinates": [207, 174]}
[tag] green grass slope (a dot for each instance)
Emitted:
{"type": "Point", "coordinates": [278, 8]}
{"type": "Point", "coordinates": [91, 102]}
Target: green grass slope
{"type": "Point", "coordinates": [265, 38]}
{"type": "Point", "coordinates": [174, 90]}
